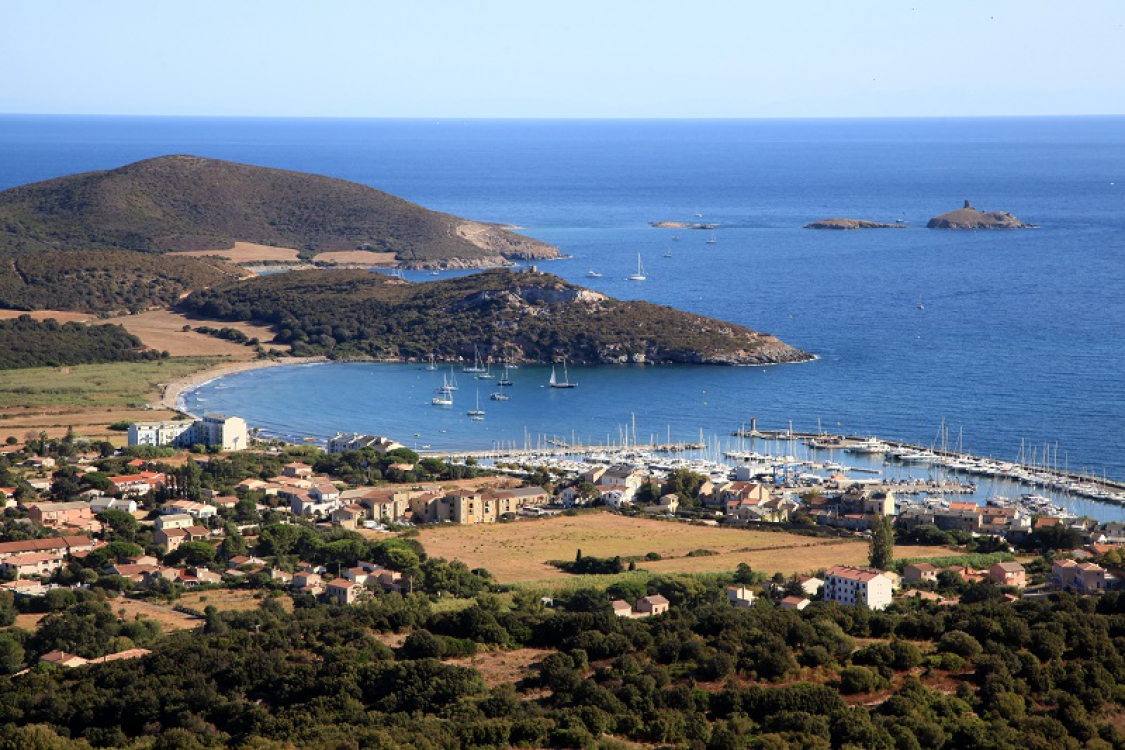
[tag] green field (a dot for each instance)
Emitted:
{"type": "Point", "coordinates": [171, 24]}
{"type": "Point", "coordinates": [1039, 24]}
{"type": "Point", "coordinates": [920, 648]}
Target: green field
{"type": "Point", "coordinates": [119, 384]}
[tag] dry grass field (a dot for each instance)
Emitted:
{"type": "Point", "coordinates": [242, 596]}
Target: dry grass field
{"type": "Point", "coordinates": [518, 552]}
{"type": "Point", "coordinates": [356, 257]}
{"type": "Point", "coordinates": [228, 600]}
{"type": "Point", "coordinates": [168, 618]}
{"type": "Point", "coordinates": [163, 330]}
{"type": "Point", "coordinates": [498, 667]}
{"type": "Point", "coordinates": [248, 252]}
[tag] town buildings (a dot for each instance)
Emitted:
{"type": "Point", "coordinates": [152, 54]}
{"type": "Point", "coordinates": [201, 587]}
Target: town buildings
{"type": "Point", "coordinates": [851, 586]}
{"type": "Point", "coordinates": [213, 430]}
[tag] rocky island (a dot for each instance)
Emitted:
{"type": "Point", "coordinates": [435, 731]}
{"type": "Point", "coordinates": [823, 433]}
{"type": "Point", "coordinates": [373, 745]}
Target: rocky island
{"type": "Point", "coordinates": [851, 224]}
{"type": "Point", "coordinates": [505, 315]}
{"type": "Point", "coordinates": [680, 225]}
{"type": "Point", "coordinates": [968, 217]}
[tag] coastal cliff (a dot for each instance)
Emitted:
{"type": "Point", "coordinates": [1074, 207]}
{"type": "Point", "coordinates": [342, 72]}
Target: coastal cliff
{"type": "Point", "coordinates": [968, 217]}
{"type": "Point", "coordinates": [502, 314]}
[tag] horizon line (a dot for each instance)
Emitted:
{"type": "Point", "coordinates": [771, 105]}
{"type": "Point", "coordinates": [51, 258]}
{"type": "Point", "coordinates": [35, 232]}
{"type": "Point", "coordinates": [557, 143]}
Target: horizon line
{"type": "Point", "coordinates": [533, 118]}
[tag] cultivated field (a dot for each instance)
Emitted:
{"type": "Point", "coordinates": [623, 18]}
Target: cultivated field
{"type": "Point", "coordinates": [518, 552]}
{"type": "Point", "coordinates": [356, 257]}
{"type": "Point", "coordinates": [248, 252]}
{"type": "Point", "coordinates": [163, 330]}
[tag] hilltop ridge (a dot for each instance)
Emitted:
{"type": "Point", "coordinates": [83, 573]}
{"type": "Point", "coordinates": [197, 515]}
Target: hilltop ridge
{"type": "Point", "coordinates": [188, 203]}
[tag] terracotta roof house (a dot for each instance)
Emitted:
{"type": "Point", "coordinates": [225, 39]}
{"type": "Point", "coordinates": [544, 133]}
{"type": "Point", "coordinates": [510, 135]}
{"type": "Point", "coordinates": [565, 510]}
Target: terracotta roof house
{"type": "Point", "coordinates": [794, 602]}
{"type": "Point", "coordinates": [1008, 574]}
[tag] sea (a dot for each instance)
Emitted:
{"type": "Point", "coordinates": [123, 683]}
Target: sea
{"type": "Point", "coordinates": [1004, 343]}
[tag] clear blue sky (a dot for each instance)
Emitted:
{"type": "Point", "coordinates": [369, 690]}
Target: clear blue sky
{"type": "Point", "coordinates": [572, 58]}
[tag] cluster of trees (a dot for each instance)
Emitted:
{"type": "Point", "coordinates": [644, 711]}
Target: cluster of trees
{"type": "Point", "coordinates": [104, 281]}
{"type": "Point", "coordinates": [26, 342]}
{"type": "Point", "coordinates": [1040, 673]}
{"type": "Point", "coordinates": [358, 314]}
{"type": "Point", "coordinates": [227, 334]}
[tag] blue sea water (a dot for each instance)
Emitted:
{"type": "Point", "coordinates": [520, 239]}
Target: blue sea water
{"type": "Point", "coordinates": [1019, 338]}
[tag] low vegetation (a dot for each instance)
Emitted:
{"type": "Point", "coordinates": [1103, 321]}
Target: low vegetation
{"type": "Point", "coordinates": [522, 317]}
{"type": "Point", "coordinates": [25, 342]}
{"type": "Point", "coordinates": [102, 281]}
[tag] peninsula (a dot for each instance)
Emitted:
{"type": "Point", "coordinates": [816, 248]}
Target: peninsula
{"type": "Point", "coordinates": [846, 224]}
{"type": "Point", "coordinates": [968, 217]}
{"type": "Point", "coordinates": [148, 232]}
{"type": "Point", "coordinates": [501, 314]}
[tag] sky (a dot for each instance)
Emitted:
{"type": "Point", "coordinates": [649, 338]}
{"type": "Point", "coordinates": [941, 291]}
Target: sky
{"type": "Point", "coordinates": [580, 59]}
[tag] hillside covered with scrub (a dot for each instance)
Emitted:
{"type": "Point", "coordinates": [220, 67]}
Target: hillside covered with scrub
{"type": "Point", "coordinates": [521, 317]}
{"type": "Point", "coordinates": [187, 203]}
{"type": "Point", "coordinates": [25, 342]}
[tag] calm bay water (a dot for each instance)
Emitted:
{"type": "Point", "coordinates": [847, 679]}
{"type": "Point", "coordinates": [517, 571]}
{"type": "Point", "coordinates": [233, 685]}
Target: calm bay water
{"type": "Point", "coordinates": [1019, 337]}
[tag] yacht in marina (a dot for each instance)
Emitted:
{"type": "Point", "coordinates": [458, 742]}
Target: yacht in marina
{"type": "Point", "coordinates": [443, 396]}
{"type": "Point", "coordinates": [868, 446]}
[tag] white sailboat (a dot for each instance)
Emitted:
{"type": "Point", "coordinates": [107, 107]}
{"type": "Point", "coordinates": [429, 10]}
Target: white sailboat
{"type": "Point", "coordinates": [498, 396]}
{"type": "Point", "coordinates": [712, 240]}
{"type": "Point", "coordinates": [640, 274]}
{"type": "Point", "coordinates": [433, 365]}
{"type": "Point", "coordinates": [444, 395]}
{"type": "Point", "coordinates": [554, 382]}
{"type": "Point", "coordinates": [478, 363]}
{"type": "Point", "coordinates": [487, 374]}
{"type": "Point", "coordinates": [451, 384]}
{"type": "Point", "coordinates": [506, 379]}
{"type": "Point", "coordinates": [476, 413]}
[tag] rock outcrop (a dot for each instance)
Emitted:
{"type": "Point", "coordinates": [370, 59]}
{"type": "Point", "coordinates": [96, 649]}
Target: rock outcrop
{"type": "Point", "coordinates": [968, 217]}
{"type": "Point", "coordinates": [851, 224]}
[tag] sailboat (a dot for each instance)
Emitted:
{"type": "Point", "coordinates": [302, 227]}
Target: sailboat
{"type": "Point", "coordinates": [478, 363]}
{"type": "Point", "coordinates": [712, 241]}
{"type": "Point", "coordinates": [554, 382]}
{"type": "Point", "coordinates": [498, 396]}
{"type": "Point", "coordinates": [444, 395]}
{"type": "Point", "coordinates": [476, 413]}
{"type": "Point", "coordinates": [506, 380]}
{"type": "Point", "coordinates": [668, 253]}
{"type": "Point", "coordinates": [432, 366]}
{"type": "Point", "coordinates": [640, 274]}
{"type": "Point", "coordinates": [451, 384]}
{"type": "Point", "coordinates": [487, 374]}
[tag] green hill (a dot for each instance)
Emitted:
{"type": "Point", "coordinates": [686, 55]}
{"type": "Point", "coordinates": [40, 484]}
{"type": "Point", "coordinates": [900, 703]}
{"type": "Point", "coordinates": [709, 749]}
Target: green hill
{"type": "Point", "coordinates": [177, 203]}
{"type": "Point", "coordinates": [520, 316]}
{"type": "Point", "coordinates": [25, 342]}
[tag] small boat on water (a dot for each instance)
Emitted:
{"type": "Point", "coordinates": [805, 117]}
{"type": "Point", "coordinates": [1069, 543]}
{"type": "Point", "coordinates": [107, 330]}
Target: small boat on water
{"type": "Point", "coordinates": [478, 363]}
{"type": "Point", "coordinates": [433, 365]}
{"type": "Point", "coordinates": [476, 414]}
{"type": "Point", "coordinates": [500, 397]}
{"type": "Point", "coordinates": [554, 382]}
{"type": "Point", "coordinates": [593, 275]}
{"type": "Point", "coordinates": [712, 240]}
{"type": "Point", "coordinates": [640, 274]}
{"type": "Point", "coordinates": [505, 379]}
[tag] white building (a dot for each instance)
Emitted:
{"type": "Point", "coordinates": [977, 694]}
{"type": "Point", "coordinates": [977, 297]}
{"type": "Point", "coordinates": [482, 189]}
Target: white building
{"type": "Point", "coordinates": [866, 587]}
{"type": "Point", "coordinates": [218, 430]}
{"type": "Point", "coordinates": [343, 441]}
{"type": "Point", "coordinates": [159, 433]}
{"type": "Point", "coordinates": [225, 432]}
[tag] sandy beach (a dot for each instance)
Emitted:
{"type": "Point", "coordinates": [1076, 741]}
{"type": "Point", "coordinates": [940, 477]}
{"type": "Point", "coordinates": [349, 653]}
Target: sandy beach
{"type": "Point", "coordinates": [170, 393]}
